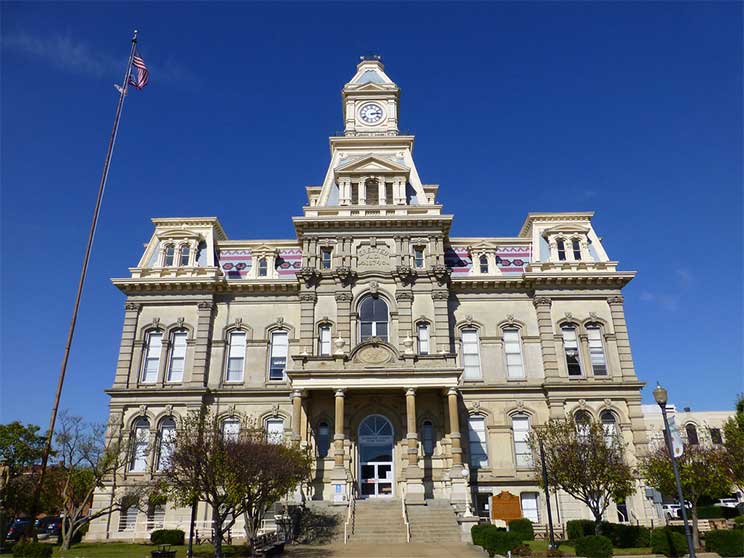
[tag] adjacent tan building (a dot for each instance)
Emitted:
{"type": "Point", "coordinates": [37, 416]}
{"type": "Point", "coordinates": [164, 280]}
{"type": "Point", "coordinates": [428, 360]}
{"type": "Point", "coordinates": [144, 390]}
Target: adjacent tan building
{"type": "Point", "coordinates": [410, 361]}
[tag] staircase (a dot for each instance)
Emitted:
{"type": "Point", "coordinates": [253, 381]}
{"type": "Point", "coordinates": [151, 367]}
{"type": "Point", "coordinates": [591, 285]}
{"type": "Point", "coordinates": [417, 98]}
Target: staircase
{"type": "Point", "coordinates": [433, 523]}
{"type": "Point", "coordinates": [377, 520]}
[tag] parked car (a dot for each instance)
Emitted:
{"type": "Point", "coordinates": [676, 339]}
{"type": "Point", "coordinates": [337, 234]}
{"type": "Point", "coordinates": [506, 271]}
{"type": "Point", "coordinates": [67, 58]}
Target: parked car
{"type": "Point", "coordinates": [672, 510]}
{"type": "Point", "coordinates": [51, 525]}
{"type": "Point", "coordinates": [17, 528]}
{"type": "Point", "coordinates": [727, 502]}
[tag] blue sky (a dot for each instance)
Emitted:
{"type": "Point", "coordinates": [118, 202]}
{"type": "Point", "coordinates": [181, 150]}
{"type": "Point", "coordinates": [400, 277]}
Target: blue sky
{"type": "Point", "coordinates": [633, 110]}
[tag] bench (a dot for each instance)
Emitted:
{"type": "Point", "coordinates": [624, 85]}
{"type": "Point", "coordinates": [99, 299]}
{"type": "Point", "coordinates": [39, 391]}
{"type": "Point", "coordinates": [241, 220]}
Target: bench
{"type": "Point", "coordinates": [163, 551]}
{"type": "Point", "coordinates": [269, 544]}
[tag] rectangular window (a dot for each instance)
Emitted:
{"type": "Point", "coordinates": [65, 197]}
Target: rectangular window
{"type": "Point", "coordinates": [128, 518]}
{"type": "Point", "coordinates": [576, 250]}
{"type": "Point", "coordinates": [477, 442]}
{"type": "Point", "coordinates": [355, 193]}
{"type": "Point", "coordinates": [715, 436]}
{"type": "Point", "coordinates": [325, 258]}
{"type": "Point", "coordinates": [471, 354]}
{"type": "Point", "coordinates": [530, 509]}
{"type": "Point", "coordinates": [513, 352]}
{"type": "Point", "coordinates": [185, 253]}
{"type": "Point", "coordinates": [177, 357]}
{"type": "Point", "coordinates": [423, 339]}
{"type": "Point", "coordinates": [418, 257]}
{"type": "Point", "coordinates": [571, 348]}
{"type": "Point", "coordinates": [521, 431]}
{"type": "Point", "coordinates": [279, 351]}
{"type": "Point", "coordinates": [155, 517]}
{"type": "Point", "coordinates": [561, 246]}
{"type": "Point", "coordinates": [596, 350]}
{"type": "Point", "coordinates": [389, 193]}
{"type": "Point", "coordinates": [231, 429]}
{"type": "Point", "coordinates": [324, 340]}
{"type": "Point", "coordinates": [236, 357]}
{"type": "Point", "coordinates": [152, 358]}
{"type": "Point", "coordinates": [275, 431]}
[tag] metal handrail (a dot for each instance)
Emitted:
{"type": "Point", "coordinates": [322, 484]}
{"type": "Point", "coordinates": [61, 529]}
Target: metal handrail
{"type": "Point", "coordinates": [405, 513]}
{"type": "Point", "coordinates": [349, 519]}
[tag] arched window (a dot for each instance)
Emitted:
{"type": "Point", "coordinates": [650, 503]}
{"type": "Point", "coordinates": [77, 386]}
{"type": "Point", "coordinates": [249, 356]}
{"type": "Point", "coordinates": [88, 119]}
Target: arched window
{"type": "Point", "coordinates": [373, 317]}
{"type": "Point", "coordinates": [151, 363]}
{"type": "Point", "coordinates": [423, 338]}
{"type": "Point", "coordinates": [561, 246]}
{"type": "Point", "coordinates": [185, 253]}
{"type": "Point", "coordinates": [692, 436]}
{"type": "Point", "coordinates": [576, 247]}
{"type": "Point", "coordinates": [583, 424]}
{"type": "Point", "coordinates": [571, 349]}
{"type": "Point", "coordinates": [596, 349]}
{"type": "Point", "coordinates": [427, 437]}
{"type": "Point", "coordinates": [483, 264]}
{"type": "Point", "coordinates": [235, 357]}
{"type": "Point", "coordinates": [513, 353]}
{"type": "Point", "coordinates": [275, 430]}
{"type": "Point", "coordinates": [177, 361]}
{"type": "Point", "coordinates": [263, 267]}
{"type": "Point", "coordinates": [140, 445]}
{"type": "Point", "coordinates": [167, 440]}
{"type": "Point", "coordinates": [323, 442]}
{"type": "Point", "coordinates": [279, 350]}
{"type": "Point", "coordinates": [170, 252]}
{"type": "Point", "coordinates": [521, 432]}
{"type": "Point", "coordinates": [471, 354]}
{"type": "Point", "coordinates": [231, 429]}
{"type": "Point", "coordinates": [477, 446]}
{"type": "Point", "coordinates": [609, 425]}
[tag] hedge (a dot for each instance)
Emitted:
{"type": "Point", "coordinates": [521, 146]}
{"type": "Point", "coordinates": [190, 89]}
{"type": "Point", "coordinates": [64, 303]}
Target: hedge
{"type": "Point", "coordinates": [715, 512]}
{"type": "Point", "coordinates": [523, 527]}
{"type": "Point", "coordinates": [594, 546]}
{"type": "Point", "coordinates": [478, 532]}
{"type": "Point", "coordinates": [668, 542]}
{"type": "Point", "coordinates": [500, 542]}
{"type": "Point", "coordinates": [625, 536]}
{"type": "Point", "coordinates": [729, 542]}
{"type": "Point", "coordinates": [577, 528]}
{"type": "Point", "coordinates": [32, 550]}
{"type": "Point", "coordinates": [739, 522]}
{"type": "Point", "coordinates": [167, 536]}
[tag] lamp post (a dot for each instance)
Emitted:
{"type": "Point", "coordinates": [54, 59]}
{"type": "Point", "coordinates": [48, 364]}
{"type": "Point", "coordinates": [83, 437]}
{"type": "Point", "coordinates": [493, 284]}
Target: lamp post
{"type": "Point", "coordinates": [660, 394]}
{"type": "Point", "coordinates": [547, 494]}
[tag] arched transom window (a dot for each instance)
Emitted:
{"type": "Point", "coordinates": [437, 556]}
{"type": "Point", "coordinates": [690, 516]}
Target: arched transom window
{"type": "Point", "coordinates": [373, 318]}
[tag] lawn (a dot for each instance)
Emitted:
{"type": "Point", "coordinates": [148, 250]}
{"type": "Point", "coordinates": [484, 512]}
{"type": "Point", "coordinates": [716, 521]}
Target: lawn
{"type": "Point", "coordinates": [123, 550]}
{"type": "Point", "coordinates": [540, 548]}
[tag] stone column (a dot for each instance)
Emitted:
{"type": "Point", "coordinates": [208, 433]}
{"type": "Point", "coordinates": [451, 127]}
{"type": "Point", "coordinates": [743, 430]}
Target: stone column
{"type": "Point", "coordinates": [307, 321]}
{"type": "Point", "coordinates": [343, 312]}
{"type": "Point", "coordinates": [296, 416]}
{"type": "Point", "coordinates": [414, 473]}
{"type": "Point", "coordinates": [459, 493]}
{"type": "Point", "coordinates": [200, 370]}
{"type": "Point", "coordinates": [440, 298]}
{"type": "Point", "coordinates": [126, 349]}
{"type": "Point", "coordinates": [621, 334]}
{"type": "Point", "coordinates": [344, 190]}
{"type": "Point", "coordinates": [363, 190]}
{"type": "Point", "coordinates": [339, 474]}
{"type": "Point", "coordinates": [547, 340]}
{"type": "Point", "coordinates": [381, 190]}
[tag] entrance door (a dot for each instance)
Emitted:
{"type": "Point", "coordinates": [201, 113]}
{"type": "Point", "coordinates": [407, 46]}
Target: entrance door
{"type": "Point", "coordinates": [376, 474]}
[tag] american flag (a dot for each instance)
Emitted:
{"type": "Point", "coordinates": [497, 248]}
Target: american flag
{"type": "Point", "coordinates": [143, 75]}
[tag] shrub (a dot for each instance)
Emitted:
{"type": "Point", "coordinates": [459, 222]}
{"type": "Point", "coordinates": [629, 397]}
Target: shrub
{"type": "Point", "coordinates": [523, 527]}
{"type": "Point", "coordinates": [478, 532]}
{"type": "Point", "coordinates": [577, 528]}
{"type": "Point", "coordinates": [739, 522]}
{"type": "Point", "coordinates": [594, 546]}
{"type": "Point", "coordinates": [625, 536]}
{"type": "Point", "coordinates": [167, 536]}
{"type": "Point", "coordinates": [32, 550]}
{"type": "Point", "coordinates": [668, 542]}
{"type": "Point", "coordinates": [522, 550]}
{"type": "Point", "coordinates": [729, 542]}
{"type": "Point", "coordinates": [500, 542]}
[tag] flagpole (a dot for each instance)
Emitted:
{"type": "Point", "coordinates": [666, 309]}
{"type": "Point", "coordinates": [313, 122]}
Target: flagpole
{"type": "Point", "coordinates": [81, 282]}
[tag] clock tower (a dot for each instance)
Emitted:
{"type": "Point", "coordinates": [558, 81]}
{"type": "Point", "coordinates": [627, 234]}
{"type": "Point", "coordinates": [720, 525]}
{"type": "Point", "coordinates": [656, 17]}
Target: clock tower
{"type": "Point", "coordinates": [370, 101]}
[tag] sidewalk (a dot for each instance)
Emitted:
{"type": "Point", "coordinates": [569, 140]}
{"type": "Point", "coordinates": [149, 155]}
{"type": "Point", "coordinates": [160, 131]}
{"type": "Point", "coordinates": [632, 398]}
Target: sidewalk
{"type": "Point", "coordinates": [385, 551]}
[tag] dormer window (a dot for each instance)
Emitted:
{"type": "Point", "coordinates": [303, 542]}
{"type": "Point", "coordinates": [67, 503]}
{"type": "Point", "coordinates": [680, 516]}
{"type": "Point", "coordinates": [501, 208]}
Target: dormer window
{"type": "Point", "coordinates": [325, 258]}
{"type": "Point", "coordinates": [263, 267]}
{"type": "Point", "coordinates": [561, 246]}
{"type": "Point", "coordinates": [170, 252]}
{"type": "Point", "coordinates": [576, 245]}
{"type": "Point", "coordinates": [483, 265]}
{"type": "Point", "coordinates": [185, 253]}
{"type": "Point", "coordinates": [418, 257]}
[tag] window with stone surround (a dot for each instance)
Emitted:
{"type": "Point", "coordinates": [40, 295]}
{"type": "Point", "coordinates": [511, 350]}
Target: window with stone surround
{"type": "Point", "coordinates": [521, 433]}
{"type": "Point", "coordinates": [185, 253]}
{"type": "Point", "coordinates": [427, 437]}
{"type": "Point", "coordinates": [140, 445]}
{"type": "Point", "coordinates": [609, 425]}
{"type": "Point", "coordinates": [576, 247]}
{"type": "Point", "coordinates": [477, 445]}
{"type": "Point", "coordinates": [275, 430]}
{"type": "Point", "coordinates": [373, 318]}
{"type": "Point", "coordinates": [325, 258]}
{"type": "Point", "coordinates": [571, 349]}
{"type": "Point", "coordinates": [263, 268]}
{"type": "Point", "coordinates": [167, 440]}
{"type": "Point", "coordinates": [418, 257]}
{"type": "Point", "coordinates": [423, 338]}
{"type": "Point", "coordinates": [692, 435]}
{"type": "Point", "coordinates": [483, 262]}
{"type": "Point", "coordinates": [235, 357]}
{"type": "Point", "coordinates": [170, 254]}
{"type": "Point", "coordinates": [561, 246]}
{"type": "Point", "coordinates": [231, 429]}
{"type": "Point", "coordinates": [715, 436]}
{"type": "Point", "coordinates": [513, 353]}
{"type": "Point", "coordinates": [278, 355]}
{"type": "Point", "coordinates": [177, 361]}
{"type": "Point", "coordinates": [151, 362]}
{"type": "Point", "coordinates": [324, 340]}
{"type": "Point", "coordinates": [596, 349]}
{"type": "Point", "coordinates": [530, 508]}
{"type": "Point", "coordinates": [471, 354]}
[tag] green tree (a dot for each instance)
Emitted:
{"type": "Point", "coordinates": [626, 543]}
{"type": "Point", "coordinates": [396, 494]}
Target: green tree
{"type": "Point", "coordinates": [733, 432]}
{"type": "Point", "coordinates": [586, 461]}
{"type": "Point", "coordinates": [703, 471]}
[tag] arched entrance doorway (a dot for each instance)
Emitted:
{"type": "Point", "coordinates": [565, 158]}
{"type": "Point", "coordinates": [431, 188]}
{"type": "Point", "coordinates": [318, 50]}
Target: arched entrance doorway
{"type": "Point", "coordinates": [376, 440]}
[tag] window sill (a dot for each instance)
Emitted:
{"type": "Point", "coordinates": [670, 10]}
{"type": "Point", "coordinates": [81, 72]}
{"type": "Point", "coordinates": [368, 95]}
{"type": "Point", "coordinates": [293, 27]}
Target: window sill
{"type": "Point", "coordinates": [473, 380]}
{"type": "Point", "coordinates": [517, 380]}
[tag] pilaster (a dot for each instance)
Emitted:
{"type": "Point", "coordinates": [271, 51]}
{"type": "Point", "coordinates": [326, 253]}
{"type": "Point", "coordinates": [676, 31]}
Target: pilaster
{"type": "Point", "coordinates": [404, 298]}
{"type": "Point", "coordinates": [440, 298]}
{"type": "Point", "coordinates": [343, 310]}
{"type": "Point", "coordinates": [621, 333]}
{"type": "Point", "coordinates": [200, 370]}
{"type": "Point", "coordinates": [547, 341]}
{"type": "Point", "coordinates": [126, 348]}
{"type": "Point", "coordinates": [307, 321]}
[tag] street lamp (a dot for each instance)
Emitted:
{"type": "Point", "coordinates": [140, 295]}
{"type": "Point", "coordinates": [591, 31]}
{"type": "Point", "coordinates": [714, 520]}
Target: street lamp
{"type": "Point", "coordinates": [552, 544]}
{"type": "Point", "coordinates": [660, 394]}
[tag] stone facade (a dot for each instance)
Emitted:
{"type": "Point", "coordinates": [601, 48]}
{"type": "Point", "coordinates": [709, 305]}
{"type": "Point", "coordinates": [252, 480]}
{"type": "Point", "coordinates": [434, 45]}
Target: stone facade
{"type": "Point", "coordinates": [410, 362]}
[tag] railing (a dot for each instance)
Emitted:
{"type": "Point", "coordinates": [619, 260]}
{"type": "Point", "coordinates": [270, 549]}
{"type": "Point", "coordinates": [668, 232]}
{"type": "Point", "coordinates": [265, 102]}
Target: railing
{"type": "Point", "coordinates": [349, 519]}
{"type": "Point", "coordinates": [405, 512]}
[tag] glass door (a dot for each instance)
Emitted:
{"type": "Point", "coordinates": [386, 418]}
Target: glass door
{"type": "Point", "coordinates": [375, 457]}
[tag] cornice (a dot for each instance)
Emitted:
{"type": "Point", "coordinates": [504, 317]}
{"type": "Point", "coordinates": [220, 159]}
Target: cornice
{"type": "Point", "coordinates": [211, 285]}
{"type": "Point", "coordinates": [213, 222]}
{"type": "Point", "coordinates": [553, 217]}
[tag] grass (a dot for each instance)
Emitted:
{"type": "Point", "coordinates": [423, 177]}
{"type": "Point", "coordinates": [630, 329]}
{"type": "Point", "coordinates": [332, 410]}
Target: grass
{"type": "Point", "coordinates": [122, 550]}
{"type": "Point", "coordinates": [540, 548]}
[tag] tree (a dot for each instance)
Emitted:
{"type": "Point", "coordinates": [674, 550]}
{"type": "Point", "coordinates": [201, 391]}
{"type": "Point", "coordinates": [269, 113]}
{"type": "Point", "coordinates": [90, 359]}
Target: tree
{"type": "Point", "coordinates": [85, 457]}
{"type": "Point", "coordinates": [703, 471]}
{"type": "Point", "coordinates": [235, 474]}
{"type": "Point", "coordinates": [21, 447]}
{"type": "Point", "coordinates": [733, 432]}
{"type": "Point", "coordinates": [586, 461]}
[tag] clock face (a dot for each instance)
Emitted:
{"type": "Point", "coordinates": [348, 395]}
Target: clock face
{"type": "Point", "coordinates": [371, 113]}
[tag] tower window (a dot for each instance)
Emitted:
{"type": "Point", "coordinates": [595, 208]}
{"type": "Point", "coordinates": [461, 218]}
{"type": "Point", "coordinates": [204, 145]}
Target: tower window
{"type": "Point", "coordinates": [185, 253]}
{"type": "Point", "coordinates": [170, 252]}
{"type": "Point", "coordinates": [561, 250]}
{"type": "Point", "coordinates": [418, 257]}
{"type": "Point", "coordinates": [263, 267]}
{"type": "Point", "coordinates": [483, 265]}
{"type": "Point", "coordinates": [571, 349]}
{"type": "Point", "coordinates": [325, 258]}
{"type": "Point", "coordinates": [576, 250]}
{"type": "Point", "coordinates": [372, 194]}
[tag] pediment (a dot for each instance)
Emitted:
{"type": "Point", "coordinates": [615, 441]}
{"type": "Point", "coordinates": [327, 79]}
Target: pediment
{"type": "Point", "coordinates": [371, 163]}
{"type": "Point", "coordinates": [177, 234]}
{"type": "Point", "coordinates": [263, 250]}
{"type": "Point", "coordinates": [566, 228]}
{"type": "Point", "coordinates": [482, 246]}
{"type": "Point", "coordinates": [374, 352]}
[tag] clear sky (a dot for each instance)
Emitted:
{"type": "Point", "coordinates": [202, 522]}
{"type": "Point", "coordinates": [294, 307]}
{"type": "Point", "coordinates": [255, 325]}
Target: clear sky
{"type": "Point", "coordinates": [633, 110]}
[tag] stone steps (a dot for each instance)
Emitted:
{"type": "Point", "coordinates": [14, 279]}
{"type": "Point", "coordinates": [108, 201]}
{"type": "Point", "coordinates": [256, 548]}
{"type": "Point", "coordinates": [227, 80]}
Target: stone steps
{"type": "Point", "coordinates": [376, 521]}
{"type": "Point", "coordinates": [433, 523]}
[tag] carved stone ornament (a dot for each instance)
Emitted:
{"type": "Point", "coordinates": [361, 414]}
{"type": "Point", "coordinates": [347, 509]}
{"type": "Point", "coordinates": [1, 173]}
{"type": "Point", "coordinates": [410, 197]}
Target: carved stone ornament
{"type": "Point", "coordinates": [308, 297]}
{"type": "Point", "coordinates": [608, 402]}
{"type": "Point", "coordinates": [441, 273]}
{"type": "Point", "coordinates": [339, 343]}
{"type": "Point", "coordinates": [231, 409]}
{"type": "Point", "coordinates": [406, 274]}
{"type": "Point", "coordinates": [568, 315]}
{"type": "Point", "coordinates": [374, 287]}
{"type": "Point", "coordinates": [143, 410]}
{"type": "Point", "coordinates": [403, 296]}
{"type": "Point", "coordinates": [132, 306]}
{"type": "Point", "coordinates": [593, 315]}
{"type": "Point", "coordinates": [169, 409]}
{"type": "Point", "coordinates": [343, 297]}
{"type": "Point", "coordinates": [275, 409]}
{"type": "Point", "coordinates": [440, 295]}
{"type": "Point", "coordinates": [180, 321]}
{"type": "Point", "coordinates": [407, 345]}
{"type": "Point", "coordinates": [374, 352]}
{"type": "Point", "coordinates": [520, 405]}
{"type": "Point", "coordinates": [582, 403]}
{"type": "Point", "coordinates": [476, 405]}
{"type": "Point", "coordinates": [618, 299]}
{"type": "Point", "coordinates": [345, 274]}
{"type": "Point", "coordinates": [542, 301]}
{"type": "Point", "coordinates": [510, 318]}
{"type": "Point", "coordinates": [280, 321]}
{"type": "Point", "coordinates": [309, 275]}
{"type": "Point", "coordinates": [238, 322]}
{"type": "Point", "coordinates": [469, 319]}
{"type": "Point", "coordinates": [205, 305]}
{"type": "Point", "coordinates": [373, 256]}
{"type": "Point", "coordinates": [155, 322]}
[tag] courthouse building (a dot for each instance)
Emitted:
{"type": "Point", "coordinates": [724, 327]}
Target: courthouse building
{"type": "Point", "coordinates": [410, 361]}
